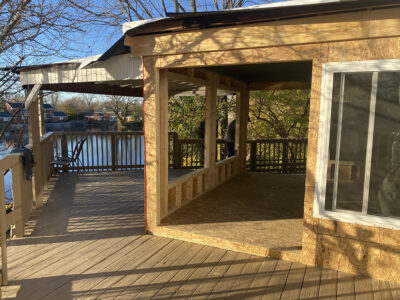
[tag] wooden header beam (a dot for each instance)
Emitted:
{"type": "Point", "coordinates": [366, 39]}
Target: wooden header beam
{"type": "Point", "coordinates": [205, 78]}
{"type": "Point", "coordinates": [280, 85]}
{"type": "Point", "coordinates": [336, 27]}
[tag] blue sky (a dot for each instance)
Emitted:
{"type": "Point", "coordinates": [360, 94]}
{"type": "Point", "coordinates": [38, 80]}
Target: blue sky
{"type": "Point", "coordinates": [97, 40]}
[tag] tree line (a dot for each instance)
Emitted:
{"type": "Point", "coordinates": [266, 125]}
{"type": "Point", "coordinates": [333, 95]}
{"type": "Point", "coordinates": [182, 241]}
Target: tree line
{"type": "Point", "coordinates": [272, 114]}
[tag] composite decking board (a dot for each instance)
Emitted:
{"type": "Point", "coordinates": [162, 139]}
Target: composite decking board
{"type": "Point", "coordinates": [294, 282]}
{"type": "Point", "coordinates": [395, 290]}
{"type": "Point", "coordinates": [262, 278]}
{"type": "Point", "coordinates": [200, 274]}
{"type": "Point", "coordinates": [44, 285]}
{"type": "Point", "coordinates": [131, 278]}
{"type": "Point", "coordinates": [328, 284]}
{"type": "Point", "coordinates": [278, 280]}
{"type": "Point", "coordinates": [227, 282]}
{"type": "Point", "coordinates": [180, 278]}
{"type": "Point", "coordinates": [88, 278]}
{"type": "Point", "coordinates": [42, 259]}
{"type": "Point", "coordinates": [144, 285]}
{"type": "Point", "coordinates": [25, 254]}
{"type": "Point", "coordinates": [311, 283]}
{"type": "Point", "coordinates": [96, 249]}
{"type": "Point", "coordinates": [381, 290]}
{"type": "Point", "coordinates": [345, 286]}
{"type": "Point", "coordinates": [138, 257]}
{"type": "Point", "coordinates": [248, 275]}
{"type": "Point", "coordinates": [164, 277]}
{"type": "Point", "coordinates": [363, 288]}
{"type": "Point", "coordinates": [217, 273]}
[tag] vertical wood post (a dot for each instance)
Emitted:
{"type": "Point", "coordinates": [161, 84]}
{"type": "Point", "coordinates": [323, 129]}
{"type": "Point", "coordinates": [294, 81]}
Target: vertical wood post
{"type": "Point", "coordinates": [176, 155]}
{"type": "Point", "coordinates": [64, 149]}
{"type": "Point", "coordinates": [113, 153]}
{"type": "Point", "coordinates": [3, 229]}
{"type": "Point", "coordinates": [41, 114]}
{"type": "Point", "coordinates": [242, 115]}
{"type": "Point", "coordinates": [34, 140]}
{"type": "Point", "coordinates": [285, 154]}
{"type": "Point", "coordinates": [253, 155]}
{"type": "Point", "coordinates": [210, 133]}
{"type": "Point", "coordinates": [18, 181]}
{"type": "Point", "coordinates": [162, 92]}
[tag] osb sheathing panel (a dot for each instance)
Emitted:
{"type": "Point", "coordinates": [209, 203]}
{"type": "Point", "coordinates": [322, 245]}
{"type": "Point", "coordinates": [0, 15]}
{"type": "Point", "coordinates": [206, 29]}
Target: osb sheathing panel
{"type": "Point", "coordinates": [343, 246]}
{"type": "Point", "coordinates": [223, 243]}
{"type": "Point", "coordinates": [380, 261]}
{"type": "Point", "coordinates": [360, 249]}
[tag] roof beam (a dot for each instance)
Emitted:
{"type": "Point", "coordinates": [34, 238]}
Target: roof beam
{"type": "Point", "coordinates": [280, 85]}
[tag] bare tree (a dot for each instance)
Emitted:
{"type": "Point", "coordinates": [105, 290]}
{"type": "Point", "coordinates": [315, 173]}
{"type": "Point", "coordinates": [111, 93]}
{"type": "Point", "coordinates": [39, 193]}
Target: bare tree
{"type": "Point", "coordinates": [89, 99]}
{"type": "Point", "coordinates": [121, 107]}
{"type": "Point", "coordinates": [113, 13]}
{"type": "Point", "coordinates": [30, 32]}
{"type": "Point", "coordinates": [53, 99]}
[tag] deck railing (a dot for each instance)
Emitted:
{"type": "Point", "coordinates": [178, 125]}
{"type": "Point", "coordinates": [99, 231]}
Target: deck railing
{"type": "Point", "coordinates": [285, 156]}
{"type": "Point", "coordinates": [264, 155]}
{"type": "Point", "coordinates": [16, 190]}
{"type": "Point", "coordinates": [113, 151]}
{"type": "Point", "coordinates": [103, 151]}
{"type": "Point", "coordinates": [46, 156]}
{"type": "Point", "coordinates": [189, 153]}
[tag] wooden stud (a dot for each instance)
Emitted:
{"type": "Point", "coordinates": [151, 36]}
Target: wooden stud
{"type": "Point", "coordinates": [210, 130]}
{"type": "Point", "coordinates": [162, 99]}
{"type": "Point", "coordinates": [242, 113]}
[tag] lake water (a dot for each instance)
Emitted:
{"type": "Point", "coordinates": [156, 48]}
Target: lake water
{"type": "Point", "coordinates": [96, 154]}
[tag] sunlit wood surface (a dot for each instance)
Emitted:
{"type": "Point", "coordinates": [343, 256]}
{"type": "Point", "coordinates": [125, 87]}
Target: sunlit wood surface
{"type": "Point", "coordinates": [87, 242]}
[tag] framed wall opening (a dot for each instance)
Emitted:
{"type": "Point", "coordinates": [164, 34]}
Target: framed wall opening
{"type": "Point", "coordinates": [256, 209]}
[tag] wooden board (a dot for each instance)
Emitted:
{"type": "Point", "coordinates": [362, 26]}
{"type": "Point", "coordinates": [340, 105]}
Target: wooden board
{"type": "Point", "coordinates": [335, 27]}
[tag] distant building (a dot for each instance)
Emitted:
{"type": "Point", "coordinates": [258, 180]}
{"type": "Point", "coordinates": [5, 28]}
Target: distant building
{"type": "Point", "coordinates": [4, 116]}
{"type": "Point", "coordinates": [100, 116]}
{"type": "Point", "coordinates": [48, 112]}
{"type": "Point", "coordinates": [59, 116]}
{"type": "Point", "coordinates": [12, 107]}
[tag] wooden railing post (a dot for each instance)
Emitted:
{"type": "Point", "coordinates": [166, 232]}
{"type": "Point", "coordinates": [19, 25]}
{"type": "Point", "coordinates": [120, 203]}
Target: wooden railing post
{"type": "Point", "coordinates": [64, 148]}
{"type": "Point", "coordinates": [18, 181]}
{"type": "Point", "coordinates": [113, 153]}
{"type": "Point", "coordinates": [176, 154]}
{"type": "Point", "coordinates": [285, 156]}
{"type": "Point", "coordinates": [253, 155]}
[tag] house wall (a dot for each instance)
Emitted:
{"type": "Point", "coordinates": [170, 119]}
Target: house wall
{"type": "Point", "coordinates": [331, 244]}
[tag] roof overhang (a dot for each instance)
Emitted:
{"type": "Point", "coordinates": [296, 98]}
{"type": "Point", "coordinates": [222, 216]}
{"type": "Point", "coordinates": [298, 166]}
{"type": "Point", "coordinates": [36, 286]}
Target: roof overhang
{"type": "Point", "coordinates": [176, 22]}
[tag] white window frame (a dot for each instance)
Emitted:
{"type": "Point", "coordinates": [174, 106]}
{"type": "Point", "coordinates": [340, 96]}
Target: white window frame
{"type": "Point", "coordinates": [328, 70]}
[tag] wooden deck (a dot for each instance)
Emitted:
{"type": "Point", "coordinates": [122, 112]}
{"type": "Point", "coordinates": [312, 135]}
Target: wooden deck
{"type": "Point", "coordinates": [87, 242]}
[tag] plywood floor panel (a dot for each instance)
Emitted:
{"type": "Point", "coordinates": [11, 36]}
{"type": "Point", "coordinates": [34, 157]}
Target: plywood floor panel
{"type": "Point", "coordinates": [254, 209]}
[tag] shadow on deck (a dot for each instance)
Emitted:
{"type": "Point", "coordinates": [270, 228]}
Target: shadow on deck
{"type": "Point", "coordinates": [87, 242]}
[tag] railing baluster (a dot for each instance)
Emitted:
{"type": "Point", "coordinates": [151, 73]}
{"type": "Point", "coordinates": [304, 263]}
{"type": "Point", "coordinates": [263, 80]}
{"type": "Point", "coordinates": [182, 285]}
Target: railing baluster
{"type": "Point", "coordinates": [126, 150]}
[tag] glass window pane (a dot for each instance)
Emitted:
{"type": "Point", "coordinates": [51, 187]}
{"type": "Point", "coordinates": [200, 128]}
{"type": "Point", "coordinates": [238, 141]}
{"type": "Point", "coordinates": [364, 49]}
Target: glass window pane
{"type": "Point", "coordinates": [384, 193]}
{"type": "Point", "coordinates": [352, 139]}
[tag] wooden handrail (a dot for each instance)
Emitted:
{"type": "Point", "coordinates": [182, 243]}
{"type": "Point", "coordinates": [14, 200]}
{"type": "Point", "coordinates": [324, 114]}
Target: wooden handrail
{"type": "Point", "coordinates": [21, 191]}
